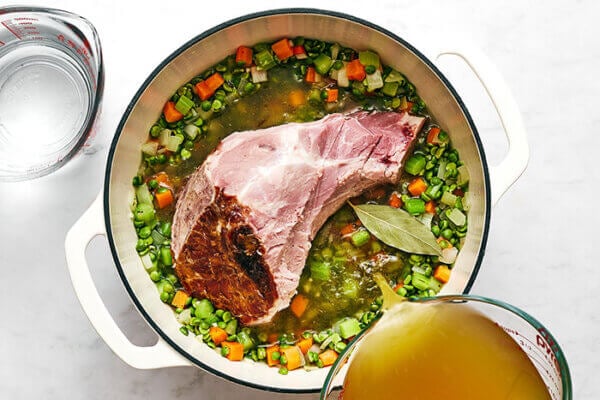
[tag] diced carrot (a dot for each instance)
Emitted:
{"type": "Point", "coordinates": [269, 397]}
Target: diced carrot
{"type": "Point", "coordinates": [332, 95]}
{"type": "Point", "coordinates": [270, 360]}
{"type": "Point", "coordinates": [298, 305]}
{"type": "Point", "coordinates": [432, 135]}
{"type": "Point", "coordinates": [218, 335]}
{"type": "Point", "coordinates": [395, 200]}
{"type": "Point", "coordinates": [348, 229]}
{"type": "Point", "coordinates": [398, 285]}
{"type": "Point", "coordinates": [236, 350]}
{"type": "Point", "coordinates": [442, 273]}
{"type": "Point", "coordinates": [209, 86]}
{"type": "Point", "coordinates": [163, 198]}
{"type": "Point", "coordinates": [243, 56]}
{"type": "Point", "coordinates": [282, 49]}
{"type": "Point", "coordinates": [417, 186]}
{"type": "Point", "coordinates": [297, 98]}
{"type": "Point", "coordinates": [355, 71]}
{"type": "Point", "coordinates": [171, 113]}
{"type": "Point", "coordinates": [180, 299]}
{"type": "Point", "coordinates": [409, 106]}
{"type": "Point", "coordinates": [202, 90]}
{"type": "Point", "coordinates": [293, 357]}
{"type": "Point", "coordinates": [311, 75]}
{"type": "Point", "coordinates": [299, 49]}
{"type": "Point", "coordinates": [430, 207]}
{"type": "Point", "coordinates": [214, 81]}
{"type": "Point", "coordinates": [305, 344]}
{"type": "Point", "coordinates": [328, 357]}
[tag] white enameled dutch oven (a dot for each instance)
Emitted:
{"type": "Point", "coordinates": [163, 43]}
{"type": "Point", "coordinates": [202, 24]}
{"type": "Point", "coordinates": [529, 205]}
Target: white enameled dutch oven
{"type": "Point", "coordinates": [110, 214]}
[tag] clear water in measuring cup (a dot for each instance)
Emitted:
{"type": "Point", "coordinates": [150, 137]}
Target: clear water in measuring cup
{"type": "Point", "coordinates": [50, 73]}
{"type": "Point", "coordinates": [44, 101]}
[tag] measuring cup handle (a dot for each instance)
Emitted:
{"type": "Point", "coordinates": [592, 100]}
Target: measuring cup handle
{"type": "Point", "coordinates": [507, 172]}
{"type": "Point", "coordinates": [90, 225]}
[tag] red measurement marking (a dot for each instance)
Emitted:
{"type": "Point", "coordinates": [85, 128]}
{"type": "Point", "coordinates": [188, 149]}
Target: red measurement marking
{"type": "Point", "coordinates": [10, 30]}
{"type": "Point", "coordinates": [1, 43]}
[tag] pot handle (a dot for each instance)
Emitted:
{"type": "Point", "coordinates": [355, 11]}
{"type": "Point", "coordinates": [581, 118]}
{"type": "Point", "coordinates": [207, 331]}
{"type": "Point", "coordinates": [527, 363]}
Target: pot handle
{"type": "Point", "coordinates": [90, 225]}
{"type": "Point", "coordinates": [507, 172]}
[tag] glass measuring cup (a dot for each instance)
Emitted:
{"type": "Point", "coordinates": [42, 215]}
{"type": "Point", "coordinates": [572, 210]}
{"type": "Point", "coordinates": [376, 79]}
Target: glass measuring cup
{"type": "Point", "coordinates": [531, 336]}
{"type": "Point", "coordinates": [51, 83]}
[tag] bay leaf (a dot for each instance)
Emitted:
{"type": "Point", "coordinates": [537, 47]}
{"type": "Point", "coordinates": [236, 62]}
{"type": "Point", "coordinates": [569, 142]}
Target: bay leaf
{"type": "Point", "coordinates": [397, 228]}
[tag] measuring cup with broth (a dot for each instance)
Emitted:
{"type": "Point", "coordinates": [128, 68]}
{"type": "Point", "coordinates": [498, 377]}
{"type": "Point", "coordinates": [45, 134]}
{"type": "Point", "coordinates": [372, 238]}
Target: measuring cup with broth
{"type": "Point", "coordinates": [51, 82]}
{"type": "Point", "coordinates": [451, 347]}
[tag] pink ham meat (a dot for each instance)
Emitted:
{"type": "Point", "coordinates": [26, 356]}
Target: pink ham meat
{"type": "Point", "coordinates": [245, 220]}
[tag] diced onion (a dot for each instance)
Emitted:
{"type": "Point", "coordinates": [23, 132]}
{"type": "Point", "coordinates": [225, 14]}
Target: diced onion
{"type": "Point", "coordinates": [150, 148]}
{"type": "Point", "coordinates": [301, 56]}
{"type": "Point", "coordinates": [342, 77]}
{"type": "Point", "coordinates": [191, 131]}
{"type": "Point", "coordinates": [185, 316]}
{"type": "Point", "coordinates": [147, 261]}
{"type": "Point", "coordinates": [258, 75]}
{"type": "Point", "coordinates": [426, 219]}
{"type": "Point", "coordinates": [449, 255]}
{"type": "Point", "coordinates": [374, 81]}
{"type": "Point", "coordinates": [463, 175]}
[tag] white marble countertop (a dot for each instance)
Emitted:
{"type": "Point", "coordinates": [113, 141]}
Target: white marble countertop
{"type": "Point", "coordinates": [539, 255]}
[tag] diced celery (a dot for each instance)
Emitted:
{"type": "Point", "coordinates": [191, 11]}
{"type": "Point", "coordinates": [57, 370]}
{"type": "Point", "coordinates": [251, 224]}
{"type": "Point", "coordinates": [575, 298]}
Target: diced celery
{"type": "Point", "coordinates": [360, 238]}
{"type": "Point", "coordinates": [415, 164]}
{"type": "Point", "coordinates": [231, 327]}
{"type": "Point", "coordinates": [244, 338]}
{"type": "Point", "coordinates": [349, 327]}
{"type": "Point", "coordinates": [395, 76]}
{"type": "Point", "coordinates": [457, 217]}
{"type": "Point", "coordinates": [184, 104]}
{"type": "Point", "coordinates": [166, 256]}
{"type": "Point", "coordinates": [264, 60]}
{"type": "Point", "coordinates": [420, 281]}
{"type": "Point", "coordinates": [374, 81]}
{"type": "Point", "coordinates": [415, 206]}
{"type": "Point", "coordinates": [448, 199]}
{"type": "Point", "coordinates": [350, 288]}
{"type": "Point", "coordinates": [368, 57]}
{"type": "Point", "coordinates": [320, 270]}
{"type": "Point", "coordinates": [441, 172]}
{"type": "Point", "coordinates": [390, 88]}
{"type": "Point", "coordinates": [323, 64]}
{"type": "Point", "coordinates": [433, 191]}
{"type": "Point", "coordinates": [335, 50]}
{"type": "Point", "coordinates": [463, 175]}
{"type": "Point", "coordinates": [143, 195]}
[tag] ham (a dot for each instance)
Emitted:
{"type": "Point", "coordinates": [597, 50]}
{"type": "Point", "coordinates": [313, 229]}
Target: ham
{"type": "Point", "coordinates": [245, 220]}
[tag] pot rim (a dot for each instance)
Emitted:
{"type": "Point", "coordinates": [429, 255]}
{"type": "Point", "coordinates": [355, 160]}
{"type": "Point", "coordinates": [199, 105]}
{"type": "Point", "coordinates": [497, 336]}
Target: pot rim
{"type": "Point", "coordinates": [205, 34]}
